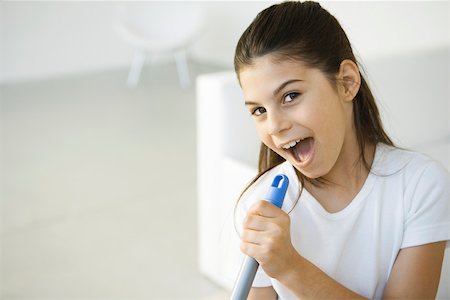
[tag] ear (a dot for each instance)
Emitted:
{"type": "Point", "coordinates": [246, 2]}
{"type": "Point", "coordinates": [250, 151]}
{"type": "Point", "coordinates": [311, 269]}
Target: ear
{"type": "Point", "coordinates": [351, 79]}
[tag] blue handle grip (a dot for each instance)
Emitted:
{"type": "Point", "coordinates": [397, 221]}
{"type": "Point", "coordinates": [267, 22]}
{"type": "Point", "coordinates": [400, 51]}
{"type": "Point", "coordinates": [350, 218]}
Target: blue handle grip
{"type": "Point", "coordinates": [276, 192]}
{"type": "Point", "coordinates": [275, 195]}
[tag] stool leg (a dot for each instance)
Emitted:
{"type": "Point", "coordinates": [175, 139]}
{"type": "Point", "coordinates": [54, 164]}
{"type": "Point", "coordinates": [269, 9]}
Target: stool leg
{"type": "Point", "coordinates": [135, 69]}
{"type": "Point", "coordinates": [182, 68]}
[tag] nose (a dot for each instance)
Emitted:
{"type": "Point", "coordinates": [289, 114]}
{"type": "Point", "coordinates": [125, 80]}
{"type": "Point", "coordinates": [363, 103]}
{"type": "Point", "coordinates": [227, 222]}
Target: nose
{"type": "Point", "coordinates": [277, 123]}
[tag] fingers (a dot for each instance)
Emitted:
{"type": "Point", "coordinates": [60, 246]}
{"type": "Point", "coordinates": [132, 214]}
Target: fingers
{"type": "Point", "coordinates": [264, 225]}
{"type": "Point", "coordinates": [264, 208]}
{"type": "Point", "coordinates": [252, 250]}
{"type": "Point", "coordinates": [256, 222]}
{"type": "Point", "coordinates": [262, 252]}
{"type": "Point", "coordinates": [262, 213]}
{"type": "Point", "coordinates": [256, 229]}
{"type": "Point", "coordinates": [266, 236]}
{"type": "Point", "coordinates": [253, 237]}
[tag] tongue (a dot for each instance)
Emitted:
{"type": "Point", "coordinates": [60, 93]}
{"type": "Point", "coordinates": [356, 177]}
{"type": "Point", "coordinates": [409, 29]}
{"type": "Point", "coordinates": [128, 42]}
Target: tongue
{"type": "Point", "coordinates": [303, 149]}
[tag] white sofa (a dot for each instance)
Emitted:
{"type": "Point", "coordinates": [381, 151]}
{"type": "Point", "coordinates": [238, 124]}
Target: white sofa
{"type": "Point", "coordinates": [227, 150]}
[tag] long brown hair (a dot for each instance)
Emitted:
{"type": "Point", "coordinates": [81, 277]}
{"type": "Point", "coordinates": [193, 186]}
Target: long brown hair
{"type": "Point", "coordinates": [306, 32]}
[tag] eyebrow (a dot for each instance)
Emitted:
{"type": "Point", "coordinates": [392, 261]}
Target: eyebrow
{"type": "Point", "coordinates": [277, 90]}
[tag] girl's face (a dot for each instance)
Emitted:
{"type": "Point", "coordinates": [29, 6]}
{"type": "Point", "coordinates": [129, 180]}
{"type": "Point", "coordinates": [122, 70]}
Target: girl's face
{"type": "Point", "coordinates": [298, 113]}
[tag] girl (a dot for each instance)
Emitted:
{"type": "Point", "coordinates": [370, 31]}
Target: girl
{"type": "Point", "coordinates": [361, 218]}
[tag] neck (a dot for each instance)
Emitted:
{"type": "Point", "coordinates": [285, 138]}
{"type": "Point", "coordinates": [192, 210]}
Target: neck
{"type": "Point", "coordinates": [350, 169]}
{"type": "Point", "coordinates": [345, 179]}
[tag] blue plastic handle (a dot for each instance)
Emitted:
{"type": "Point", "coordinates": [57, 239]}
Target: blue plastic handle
{"type": "Point", "coordinates": [276, 191]}
{"type": "Point", "coordinates": [244, 282]}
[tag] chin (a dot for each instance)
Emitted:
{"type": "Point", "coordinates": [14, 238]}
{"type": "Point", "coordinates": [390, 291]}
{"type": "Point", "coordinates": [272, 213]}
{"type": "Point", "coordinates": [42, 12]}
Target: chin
{"type": "Point", "coordinates": [310, 172]}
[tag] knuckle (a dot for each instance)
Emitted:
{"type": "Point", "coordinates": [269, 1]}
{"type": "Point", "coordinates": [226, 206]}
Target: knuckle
{"type": "Point", "coordinates": [245, 236]}
{"type": "Point", "coordinates": [258, 206]}
{"type": "Point", "coordinates": [248, 221]}
{"type": "Point", "coordinates": [243, 248]}
{"type": "Point", "coordinates": [247, 249]}
{"type": "Point", "coordinates": [250, 218]}
{"type": "Point", "coordinates": [261, 203]}
{"type": "Point", "coordinates": [286, 219]}
{"type": "Point", "coordinates": [265, 255]}
{"type": "Point", "coordinates": [277, 231]}
{"type": "Point", "coordinates": [272, 244]}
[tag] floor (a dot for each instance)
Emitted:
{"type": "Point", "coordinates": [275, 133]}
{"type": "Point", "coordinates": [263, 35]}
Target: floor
{"type": "Point", "coordinates": [99, 188]}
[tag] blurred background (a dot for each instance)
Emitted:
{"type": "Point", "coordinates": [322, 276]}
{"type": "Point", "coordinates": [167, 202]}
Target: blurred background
{"type": "Point", "coordinates": [103, 109]}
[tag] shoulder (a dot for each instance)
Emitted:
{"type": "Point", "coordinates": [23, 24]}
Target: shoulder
{"type": "Point", "coordinates": [423, 186]}
{"type": "Point", "coordinates": [422, 182]}
{"type": "Point", "coordinates": [412, 166]}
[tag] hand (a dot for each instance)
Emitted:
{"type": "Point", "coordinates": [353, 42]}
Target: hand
{"type": "Point", "coordinates": [267, 238]}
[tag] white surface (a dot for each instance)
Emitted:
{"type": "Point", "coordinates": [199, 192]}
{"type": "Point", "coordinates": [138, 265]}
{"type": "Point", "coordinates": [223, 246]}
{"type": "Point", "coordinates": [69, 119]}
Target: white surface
{"type": "Point", "coordinates": [209, 144]}
{"type": "Point", "coordinates": [236, 176]}
{"type": "Point", "coordinates": [42, 39]}
{"type": "Point", "coordinates": [222, 151]}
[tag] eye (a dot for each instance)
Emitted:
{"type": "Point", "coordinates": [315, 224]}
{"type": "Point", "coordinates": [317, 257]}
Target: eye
{"type": "Point", "coordinates": [290, 97]}
{"type": "Point", "coordinates": [258, 111]}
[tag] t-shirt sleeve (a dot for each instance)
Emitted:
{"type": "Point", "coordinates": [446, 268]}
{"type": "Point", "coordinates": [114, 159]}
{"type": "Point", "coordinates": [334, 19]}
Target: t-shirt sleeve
{"type": "Point", "coordinates": [427, 218]}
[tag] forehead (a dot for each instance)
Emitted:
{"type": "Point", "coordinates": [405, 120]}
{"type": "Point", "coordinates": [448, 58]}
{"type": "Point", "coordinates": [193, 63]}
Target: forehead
{"type": "Point", "coordinates": [271, 65]}
{"type": "Point", "coordinates": [267, 73]}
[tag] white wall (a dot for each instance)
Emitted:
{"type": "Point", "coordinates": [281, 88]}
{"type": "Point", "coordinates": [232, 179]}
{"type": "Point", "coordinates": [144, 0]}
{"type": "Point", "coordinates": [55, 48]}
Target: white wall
{"type": "Point", "coordinates": [42, 39]}
{"type": "Point", "coordinates": [412, 92]}
{"type": "Point", "coordinates": [379, 29]}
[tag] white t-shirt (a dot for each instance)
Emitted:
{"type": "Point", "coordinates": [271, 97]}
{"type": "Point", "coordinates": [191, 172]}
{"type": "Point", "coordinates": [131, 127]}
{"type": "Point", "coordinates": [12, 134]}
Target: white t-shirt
{"type": "Point", "coordinates": [404, 202]}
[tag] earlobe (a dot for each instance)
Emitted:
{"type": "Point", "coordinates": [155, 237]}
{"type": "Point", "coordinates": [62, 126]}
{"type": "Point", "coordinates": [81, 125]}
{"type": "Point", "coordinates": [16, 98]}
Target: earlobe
{"type": "Point", "coordinates": [351, 79]}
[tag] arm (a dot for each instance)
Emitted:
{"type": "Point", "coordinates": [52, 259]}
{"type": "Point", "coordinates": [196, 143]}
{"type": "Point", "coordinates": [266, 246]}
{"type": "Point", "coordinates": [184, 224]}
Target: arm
{"type": "Point", "coordinates": [264, 293]}
{"type": "Point", "coordinates": [415, 275]}
{"type": "Point", "coordinates": [307, 281]}
{"type": "Point", "coordinates": [416, 272]}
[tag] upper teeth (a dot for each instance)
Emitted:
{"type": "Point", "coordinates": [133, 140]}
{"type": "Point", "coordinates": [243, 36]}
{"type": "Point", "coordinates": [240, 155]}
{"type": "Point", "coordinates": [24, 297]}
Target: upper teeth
{"type": "Point", "coordinates": [290, 144]}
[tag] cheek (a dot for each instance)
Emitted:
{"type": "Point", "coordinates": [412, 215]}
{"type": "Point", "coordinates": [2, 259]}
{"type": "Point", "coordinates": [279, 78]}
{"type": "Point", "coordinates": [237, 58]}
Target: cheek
{"type": "Point", "coordinates": [262, 133]}
{"type": "Point", "coordinates": [266, 138]}
{"type": "Point", "coordinates": [325, 115]}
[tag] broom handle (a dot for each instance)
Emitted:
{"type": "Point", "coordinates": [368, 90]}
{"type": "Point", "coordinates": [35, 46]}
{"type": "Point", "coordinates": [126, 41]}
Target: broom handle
{"type": "Point", "coordinates": [249, 267]}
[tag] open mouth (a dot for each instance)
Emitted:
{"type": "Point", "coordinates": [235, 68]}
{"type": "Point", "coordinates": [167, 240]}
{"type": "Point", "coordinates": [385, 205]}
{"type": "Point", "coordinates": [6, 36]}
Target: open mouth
{"type": "Point", "coordinates": [302, 151]}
